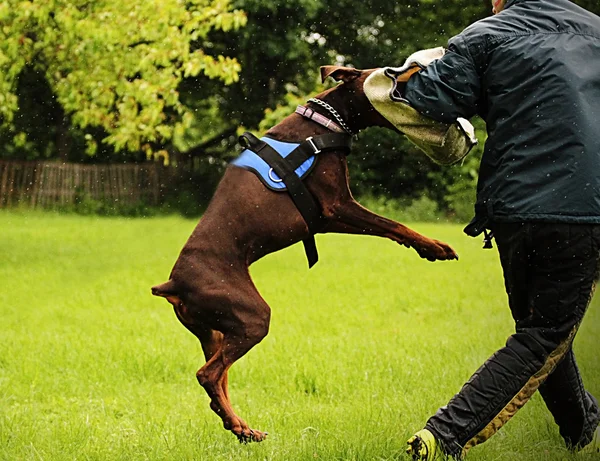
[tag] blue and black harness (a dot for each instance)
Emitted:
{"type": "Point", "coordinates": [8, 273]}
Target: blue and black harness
{"type": "Point", "coordinates": [282, 166]}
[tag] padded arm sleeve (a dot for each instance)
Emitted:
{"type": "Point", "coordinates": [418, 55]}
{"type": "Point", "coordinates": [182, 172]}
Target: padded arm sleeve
{"type": "Point", "coordinates": [447, 88]}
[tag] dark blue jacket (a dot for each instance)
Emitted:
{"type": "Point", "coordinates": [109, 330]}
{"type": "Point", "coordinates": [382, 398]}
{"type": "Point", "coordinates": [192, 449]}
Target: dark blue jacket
{"type": "Point", "coordinates": [532, 73]}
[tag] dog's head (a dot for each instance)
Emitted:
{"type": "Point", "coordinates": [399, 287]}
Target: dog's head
{"type": "Point", "coordinates": [350, 99]}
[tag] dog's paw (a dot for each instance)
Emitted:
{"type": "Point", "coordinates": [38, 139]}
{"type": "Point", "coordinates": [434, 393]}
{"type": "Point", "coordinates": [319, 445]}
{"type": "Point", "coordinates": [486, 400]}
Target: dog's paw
{"type": "Point", "coordinates": [251, 435]}
{"type": "Point", "coordinates": [436, 251]}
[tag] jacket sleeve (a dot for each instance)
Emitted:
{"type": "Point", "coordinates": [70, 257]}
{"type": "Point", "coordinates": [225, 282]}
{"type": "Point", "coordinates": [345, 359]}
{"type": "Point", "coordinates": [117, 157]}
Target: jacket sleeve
{"type": "Point", "coordinates": [449, 87]}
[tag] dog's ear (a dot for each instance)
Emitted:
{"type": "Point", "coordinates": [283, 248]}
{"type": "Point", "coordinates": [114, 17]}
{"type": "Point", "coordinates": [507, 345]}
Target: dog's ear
{"type": "Point", "coordinates": [345, 74]}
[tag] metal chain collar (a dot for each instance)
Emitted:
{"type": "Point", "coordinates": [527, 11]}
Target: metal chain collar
{"type": "Point", "coordinates": [333, 112]}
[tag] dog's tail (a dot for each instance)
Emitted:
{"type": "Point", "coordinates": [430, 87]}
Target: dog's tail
{"type": "Point", "coordinates": [168, 291]}
{"type": "Point", "coordinates": [164, 290]}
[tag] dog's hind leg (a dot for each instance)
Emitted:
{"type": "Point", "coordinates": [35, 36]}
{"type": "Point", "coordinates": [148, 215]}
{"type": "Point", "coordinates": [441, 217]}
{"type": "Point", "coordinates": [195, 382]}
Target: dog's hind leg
{"type": "Point", "coordinates": [211, 342]}
{"type": "Point", "coordinates": [243, 320]}
{"type": "Point", "coordinates": [213, 376]}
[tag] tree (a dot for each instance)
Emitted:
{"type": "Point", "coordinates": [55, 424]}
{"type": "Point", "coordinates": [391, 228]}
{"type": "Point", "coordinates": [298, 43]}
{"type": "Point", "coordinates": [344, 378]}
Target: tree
{"type": "Point", "coordinates": [115, 77]}
{"type": "Point", "coordinates": [113, 67]}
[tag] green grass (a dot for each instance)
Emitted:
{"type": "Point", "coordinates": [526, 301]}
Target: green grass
{"type": "Point", "coordinates": [362, 349]}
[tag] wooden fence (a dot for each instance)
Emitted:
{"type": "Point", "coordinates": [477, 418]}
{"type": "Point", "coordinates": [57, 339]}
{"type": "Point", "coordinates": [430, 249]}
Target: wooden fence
{"type": "Point", "coordinates": [52, 184]}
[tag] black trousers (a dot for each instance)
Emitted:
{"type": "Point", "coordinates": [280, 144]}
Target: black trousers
{"type": "Point", "coordinates": [550, 272]}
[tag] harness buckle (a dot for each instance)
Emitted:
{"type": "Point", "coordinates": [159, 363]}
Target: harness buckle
{"type": "Point", "coordinates": [273, 178]}
{"type": "Point", "coordinates": [313, 145]}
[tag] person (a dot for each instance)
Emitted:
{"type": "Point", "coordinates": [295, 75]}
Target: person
{"type": "Point", "coordinates": [532, 72]}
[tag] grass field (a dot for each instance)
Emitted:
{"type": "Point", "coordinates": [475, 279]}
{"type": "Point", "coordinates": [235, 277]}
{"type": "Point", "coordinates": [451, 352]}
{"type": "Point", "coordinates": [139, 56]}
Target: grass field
{"type": "Point", "coordinates": [362, 348]}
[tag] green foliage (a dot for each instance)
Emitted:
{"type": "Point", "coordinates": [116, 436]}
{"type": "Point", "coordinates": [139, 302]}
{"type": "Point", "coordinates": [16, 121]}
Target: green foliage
{"type": "Point", "coordinates": [273, 116]}
{"type": "Point", "coordinates": [86, 205]}
{"type": "Point", "coordinates": [421, 209]}
{"type": "Point", "coordinates": [111, 81]}
{"type": "Point", "coordinates": [114, 65]}
{"type": "Point", "coordinates": [190, 194]}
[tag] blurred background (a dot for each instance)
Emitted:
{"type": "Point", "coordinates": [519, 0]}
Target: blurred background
{"type": "Point", "coordinates": [133, 107]}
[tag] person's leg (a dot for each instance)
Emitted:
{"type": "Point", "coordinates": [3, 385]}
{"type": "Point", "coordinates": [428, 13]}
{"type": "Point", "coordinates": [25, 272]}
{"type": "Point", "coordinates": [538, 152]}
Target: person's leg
{"type": "Point", "coordinates": [550, 272]}
{"type": "Point", "coordinates": [574, 409]}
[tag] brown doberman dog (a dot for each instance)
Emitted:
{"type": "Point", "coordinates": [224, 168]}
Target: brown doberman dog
{"type": "Point", "coordinates": [210, 287]}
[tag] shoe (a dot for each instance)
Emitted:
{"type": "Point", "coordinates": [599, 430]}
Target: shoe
{"type": "Point", "coordinates": [423, 447]}
{"type": "Point", "coordinates": [592, 448]}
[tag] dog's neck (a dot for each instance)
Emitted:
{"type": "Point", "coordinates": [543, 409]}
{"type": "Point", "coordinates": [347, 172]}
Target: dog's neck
{"type": "Point", "coordinates": [356, 113]}
{"type": "Point", "coordinates": [334, 121]}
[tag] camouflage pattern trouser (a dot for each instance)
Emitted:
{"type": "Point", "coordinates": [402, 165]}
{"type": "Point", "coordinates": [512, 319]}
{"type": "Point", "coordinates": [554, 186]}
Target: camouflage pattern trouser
{"type": "Point", "coordinates": [550, 272]}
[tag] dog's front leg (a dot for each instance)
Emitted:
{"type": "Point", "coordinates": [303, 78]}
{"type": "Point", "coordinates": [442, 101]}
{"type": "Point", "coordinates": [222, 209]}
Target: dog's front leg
{"type": "Point", "coordinates": [349, 217]}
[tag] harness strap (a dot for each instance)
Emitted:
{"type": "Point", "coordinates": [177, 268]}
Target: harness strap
{"type": "Point", "coordinates": [313, 146]}
{"type": "Point", "coordinates": [302, 198]}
